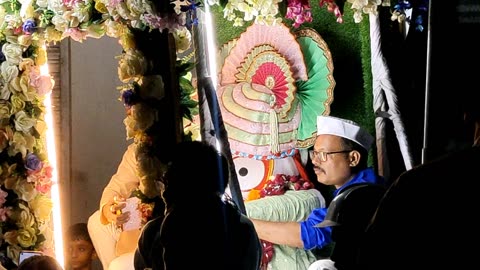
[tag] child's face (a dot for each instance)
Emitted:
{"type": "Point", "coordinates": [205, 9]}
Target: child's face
{"type": "Point", "coordinates": [80, 254]}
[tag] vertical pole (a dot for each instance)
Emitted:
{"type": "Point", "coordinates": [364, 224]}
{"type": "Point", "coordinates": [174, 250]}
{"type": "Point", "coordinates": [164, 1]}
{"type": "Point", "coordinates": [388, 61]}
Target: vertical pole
{"type": "Point", "coordinates": [208, 103]}
{"type": "Point", "coordinates": [427, 84]}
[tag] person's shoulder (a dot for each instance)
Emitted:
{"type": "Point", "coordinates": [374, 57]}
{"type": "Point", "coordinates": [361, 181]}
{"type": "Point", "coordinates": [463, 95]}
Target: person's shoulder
{"type": "Point", "coordinates": [246, 222]}
{"type": "Point", "coordinates": [457, 164]}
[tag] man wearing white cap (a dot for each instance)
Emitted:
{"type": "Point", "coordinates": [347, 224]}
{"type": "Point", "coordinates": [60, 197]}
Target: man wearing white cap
{"type": "Point", "coordinates": [339, 157]}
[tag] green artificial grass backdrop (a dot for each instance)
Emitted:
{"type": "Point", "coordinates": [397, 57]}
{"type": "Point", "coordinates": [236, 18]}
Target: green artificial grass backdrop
{"type": "Point", "coordinates": [349, 44]}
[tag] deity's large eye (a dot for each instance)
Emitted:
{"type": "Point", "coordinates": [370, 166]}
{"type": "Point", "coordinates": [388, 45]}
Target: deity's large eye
{"type": "Point", "coordinates": [251, 173]}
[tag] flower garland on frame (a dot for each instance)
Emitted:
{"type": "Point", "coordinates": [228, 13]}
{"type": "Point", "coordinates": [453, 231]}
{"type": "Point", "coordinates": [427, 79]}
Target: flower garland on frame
{"type": "Point", "coordinates": [299, 11]}
{"type": "Point", "coordinates": [25, 27]}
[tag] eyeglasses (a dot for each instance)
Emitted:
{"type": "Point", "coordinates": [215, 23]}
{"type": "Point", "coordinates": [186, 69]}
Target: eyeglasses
{"type": "Point", "coordinates": [323, 155]}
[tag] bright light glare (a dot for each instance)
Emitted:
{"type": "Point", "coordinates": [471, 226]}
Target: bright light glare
{"type": "Point", "coordinates": [211, 49]}
{"type": "Point", "coordinates": [55, 191]}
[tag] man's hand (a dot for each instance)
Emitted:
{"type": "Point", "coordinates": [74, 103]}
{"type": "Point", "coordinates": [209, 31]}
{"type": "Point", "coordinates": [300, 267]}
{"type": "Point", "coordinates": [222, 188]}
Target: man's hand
{"type": "Point", "coordinates": [113, 211]}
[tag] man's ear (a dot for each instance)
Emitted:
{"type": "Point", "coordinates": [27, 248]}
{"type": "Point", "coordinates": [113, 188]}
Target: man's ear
{"type": "Point", "coordinates": [354, 158]}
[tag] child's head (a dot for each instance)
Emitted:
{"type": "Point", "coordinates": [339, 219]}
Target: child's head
{"type": "Point", "coordinates": [80, 250]}
{"type": "Point", "coordinates": [40, 262]}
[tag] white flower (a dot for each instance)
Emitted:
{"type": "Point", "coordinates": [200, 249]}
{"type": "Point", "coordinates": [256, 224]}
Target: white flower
{"type": "Point", "coordinates": [61, 24]}
{"type": "Point", "coordinates": [13, 53]}
{"type": "Point", "coordinates": [152, 86]}
{"type": "Point", "coordinates": [183, 39]}
{"type": "Point", "coordinates": [27, 11]}
{"type": "Point", "coordinates": [124, 12]}
{"type": "Point", "coordinates": [9, 71]}
{"type": "Point", "coordinates": [23, 122]}
{"type": "Point", "coordinates": [13, 21]}
{"type": "Point", "coordinates": [69, 16]}
{"type": "Point", "coordinates": [42, 3]}
{"type": "Point", "coordinates": [56, 6]}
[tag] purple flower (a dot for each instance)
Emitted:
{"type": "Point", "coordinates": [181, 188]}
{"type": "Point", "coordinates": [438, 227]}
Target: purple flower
{"type": "Point", "coordinates": [33, 163]}
{"type": "Point", "coordinates": [29, 26]}
{"type": "Point", "coordinates": [129, 98]}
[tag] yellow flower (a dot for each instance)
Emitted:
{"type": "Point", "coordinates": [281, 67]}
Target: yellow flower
{"type": "Point", "coordinates": [25, 218]}
{"type": "Point", "coordinates": [52, 34]}
{"type": "Point", "coordinates": [130, 126]}
{"type": "Point", "coordinates": [41, 58]}
{"type": "Point", "coordinates": [42, 207]}
{"type": "Point", "coordinates": [26, 237]}
{"type": "Point", "coordinates": [21, 143]}
{"type": "Point", "coordinates": [127, 40]}
{"type": "Point", "coordinates": [132, 65]}
{"type": "Point", "coordinates": [144, 116]}
{"type": "Point", "coordinates": [18, 103]}
{"type": "Point", "coordinates": [5, 110]}
{"type": "Point", "coordinates": [13, 252]}
{"type": "Point", "coordinates": [3, 142]}
{"type": "Point", "coordinates": [25, 40]}
{"type": "Point", "coordinates": [10, 237]}
{"type": "Point", "coordinates": [2, 15]}
{"type": "Point", "coordinates": [100, 7]}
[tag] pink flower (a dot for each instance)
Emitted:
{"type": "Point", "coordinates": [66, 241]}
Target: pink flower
{"type": "Point", "coordinates": [76, 34]}
{"type": "Point", "coordinates": [42, 179]}
{"type": "Point", "coordinates": [332, 7]}
{"type": "Point", "coordinates": [299, 11]}
{"type": "Point", "coordinates": [3, 214]}
{"type": "Point", "coordinates": [3, 197]}
{"type": "Point", "coordinates": [42, 83]}
{"type": "Point", "coordinates": [71, 3]}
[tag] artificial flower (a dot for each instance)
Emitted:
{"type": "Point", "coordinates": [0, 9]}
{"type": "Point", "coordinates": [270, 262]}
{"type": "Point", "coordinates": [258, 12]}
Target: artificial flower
{"type": "Point", "coordinates": [5, 109]}
{"type": "Point", "coordinates": [25, 191]}
{"type": "Point", "coordinates": [144, 116]}
{"type": "Point", "coordinates": [26, 237]}
{"type": "Point", "coordinates": [183, 39]}
{"type": "Point", "coordinates": [152, 87]}
{"type": "Point", "coordinates": [33, 163]}
{"type": "Point", "coordinates": [3, 197]}
{"type": "Point", "coordinates": [23, 122]}
{"type": "Point", "coordinates": [13, 53]}
{"type": "Point", "coordinates": [132, 65]}
{"type": "Point", "coordinates": [13, 252]}
{"type": "Point", "coordinates": [8, 71]}
{"type": "Point", "coordinates": [42, 207]}
{"type": "Point", "coordinates": [18, 102]}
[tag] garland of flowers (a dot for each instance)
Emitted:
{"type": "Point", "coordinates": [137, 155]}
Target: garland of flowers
{"type": "Point", "coordinates": [277, 185]}
{"type": "Point", "coordinates": [299, 11]}
{"type": "Point", "coordinates": [25, 27]}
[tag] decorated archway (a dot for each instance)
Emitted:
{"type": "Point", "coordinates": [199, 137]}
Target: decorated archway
{"type": "Point", "coordinates": [151, 87]}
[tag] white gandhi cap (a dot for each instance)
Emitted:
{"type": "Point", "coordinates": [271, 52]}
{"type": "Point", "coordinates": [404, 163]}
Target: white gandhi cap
{"type": "Point", "coordinates": [344, 128]}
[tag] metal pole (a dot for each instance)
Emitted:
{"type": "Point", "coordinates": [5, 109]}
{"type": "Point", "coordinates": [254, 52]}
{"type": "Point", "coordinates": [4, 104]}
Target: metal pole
{"type": "Point", "coordinates": [206, 92]}
{"type": "Point", "coordinates": [427, 84]}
